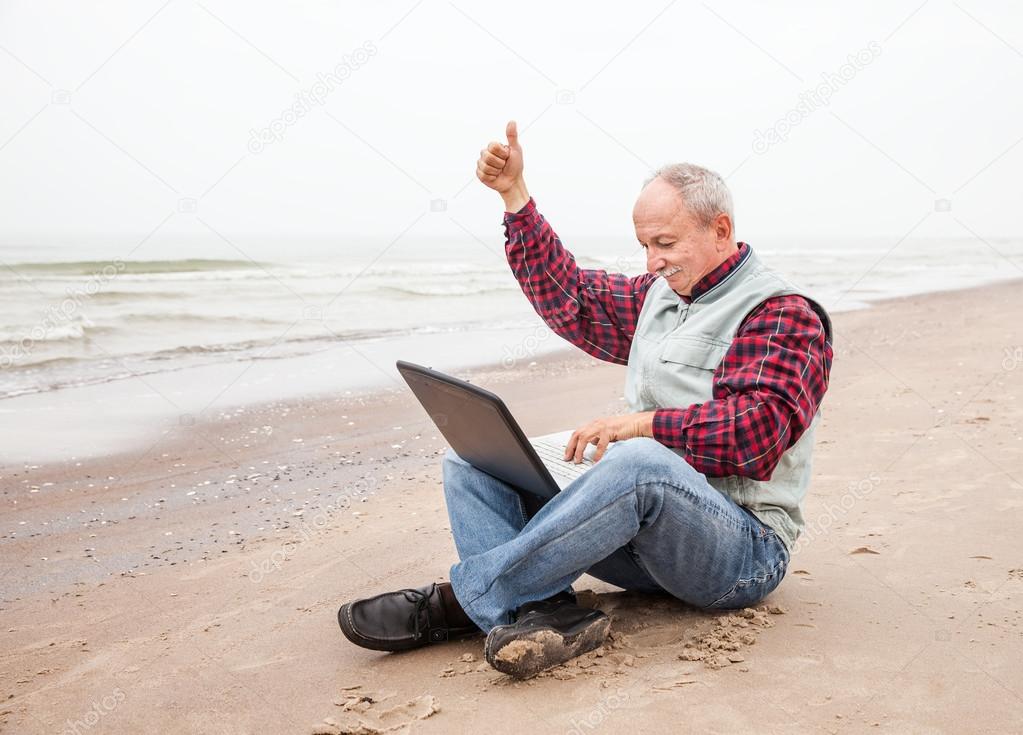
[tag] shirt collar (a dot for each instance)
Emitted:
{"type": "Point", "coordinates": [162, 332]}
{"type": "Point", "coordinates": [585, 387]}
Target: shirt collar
{"type": "Point", "coordinates": [719, 274]}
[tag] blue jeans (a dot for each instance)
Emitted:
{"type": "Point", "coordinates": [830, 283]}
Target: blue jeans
{"type": "Point", "coordinates": [642, 519]}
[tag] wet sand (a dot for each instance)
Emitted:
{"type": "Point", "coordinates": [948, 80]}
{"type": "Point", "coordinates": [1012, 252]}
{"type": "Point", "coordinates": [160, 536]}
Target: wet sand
{"type": "Point", "coordinates": [192, 586]}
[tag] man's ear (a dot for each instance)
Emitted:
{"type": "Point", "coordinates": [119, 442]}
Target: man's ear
{"type": "Point", "coordinates": [723, 229]}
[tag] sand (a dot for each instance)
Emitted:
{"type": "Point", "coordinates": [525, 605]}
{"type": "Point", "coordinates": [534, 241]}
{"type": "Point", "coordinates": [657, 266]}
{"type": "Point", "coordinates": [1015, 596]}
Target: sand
{"type": "Point", "coordinates": [193, 586]}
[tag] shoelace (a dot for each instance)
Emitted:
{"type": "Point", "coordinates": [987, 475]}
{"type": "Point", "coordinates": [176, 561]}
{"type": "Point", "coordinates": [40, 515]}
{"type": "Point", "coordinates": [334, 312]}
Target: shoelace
{"type": "Point", "coordinates": [422, 603]}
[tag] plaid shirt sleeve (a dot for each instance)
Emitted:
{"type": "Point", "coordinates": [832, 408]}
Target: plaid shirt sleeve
{"type": "Point", "coordinates": [766, 392]}
{"type": "Point", "coordinates": [593, 309]}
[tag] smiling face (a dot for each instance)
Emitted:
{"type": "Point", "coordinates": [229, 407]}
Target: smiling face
{"type": "Point", "coordinates": [678, 246]}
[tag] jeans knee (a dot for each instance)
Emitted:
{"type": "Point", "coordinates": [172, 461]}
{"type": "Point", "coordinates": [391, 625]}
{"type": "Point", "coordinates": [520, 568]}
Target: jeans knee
{"type": "Point", "coordinates": [647, 460]}
{"type": "Point", "coordinates": [640, 450]}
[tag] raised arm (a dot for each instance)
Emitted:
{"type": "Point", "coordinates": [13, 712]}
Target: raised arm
{"type": "Point", "coordinates": [593, 309]}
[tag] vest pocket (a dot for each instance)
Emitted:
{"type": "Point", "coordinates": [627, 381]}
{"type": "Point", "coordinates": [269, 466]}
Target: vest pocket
{"type": "Point", "coordinates": [694, 352]}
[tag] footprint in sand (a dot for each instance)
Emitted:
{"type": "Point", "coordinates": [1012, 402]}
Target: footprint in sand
{"type": "Point", "coordinates": [360, 714]}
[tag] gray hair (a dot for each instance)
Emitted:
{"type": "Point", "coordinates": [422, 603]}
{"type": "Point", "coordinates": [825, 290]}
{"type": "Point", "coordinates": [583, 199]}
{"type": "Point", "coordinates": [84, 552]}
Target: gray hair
{"type": "Point", "coordinates": [704, 192]}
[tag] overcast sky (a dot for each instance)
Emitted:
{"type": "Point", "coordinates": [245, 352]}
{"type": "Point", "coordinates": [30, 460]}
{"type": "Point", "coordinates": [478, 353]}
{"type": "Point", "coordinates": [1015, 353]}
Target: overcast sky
{"type": "Point", "coordinates": [121, 118]}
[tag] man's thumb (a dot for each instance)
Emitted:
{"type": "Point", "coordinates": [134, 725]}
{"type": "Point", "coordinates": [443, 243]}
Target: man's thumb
{"type": "Point", "coordinates": [512, 133]}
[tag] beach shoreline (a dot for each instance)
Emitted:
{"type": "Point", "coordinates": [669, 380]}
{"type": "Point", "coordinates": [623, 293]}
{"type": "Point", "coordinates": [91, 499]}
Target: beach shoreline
{"type": "Point", "coordinates": [192, 584]}
{"type": "Point", "coordinates": [148, 344]}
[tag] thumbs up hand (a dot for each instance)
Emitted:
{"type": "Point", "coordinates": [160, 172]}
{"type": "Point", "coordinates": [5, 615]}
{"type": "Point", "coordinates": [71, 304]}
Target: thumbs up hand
{"type": "Point", "coordinates": [500, 168]}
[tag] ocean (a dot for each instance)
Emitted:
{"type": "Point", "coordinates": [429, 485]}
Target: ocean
{"type": "Point", "coordinates": [300, 320]}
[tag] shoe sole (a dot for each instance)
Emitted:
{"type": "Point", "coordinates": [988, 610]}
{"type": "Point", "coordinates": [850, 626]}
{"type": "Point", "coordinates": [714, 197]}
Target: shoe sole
{"type": "Point", "coordinates": [539, 649]}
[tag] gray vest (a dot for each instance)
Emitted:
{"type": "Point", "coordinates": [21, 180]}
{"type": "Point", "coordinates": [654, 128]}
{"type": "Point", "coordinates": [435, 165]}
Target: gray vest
{"type": "Point", "coordinates": [675, 351]}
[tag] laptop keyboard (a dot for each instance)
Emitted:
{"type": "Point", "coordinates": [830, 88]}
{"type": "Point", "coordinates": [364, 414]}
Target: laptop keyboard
{"type": "Point", "coordinates": [552, 457]}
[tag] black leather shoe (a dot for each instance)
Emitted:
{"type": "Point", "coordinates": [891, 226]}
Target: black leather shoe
{"type": "Point", "coordinates": [398, 621]}
{"type": "Point", "coordinates": [545, 634]}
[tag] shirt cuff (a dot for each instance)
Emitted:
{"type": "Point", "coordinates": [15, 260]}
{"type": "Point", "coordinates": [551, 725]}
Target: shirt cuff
{"type": "Point", "coordinates": [528, 210]}
{"type": "Point", "coordinates": [669, 426]}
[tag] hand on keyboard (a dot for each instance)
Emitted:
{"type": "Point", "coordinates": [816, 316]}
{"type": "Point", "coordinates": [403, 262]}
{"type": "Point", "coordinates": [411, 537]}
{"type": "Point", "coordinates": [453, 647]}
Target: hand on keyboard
{"type": "Point", "coordinates": [605, 430]}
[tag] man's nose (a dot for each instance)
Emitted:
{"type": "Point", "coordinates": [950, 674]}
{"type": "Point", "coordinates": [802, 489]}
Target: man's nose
{"type": "Point", "coordinates": [654, 262]}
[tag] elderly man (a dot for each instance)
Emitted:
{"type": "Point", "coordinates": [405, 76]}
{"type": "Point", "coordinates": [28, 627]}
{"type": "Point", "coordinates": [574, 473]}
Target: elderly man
{"type": "Point", "coordinates": [696, 492]}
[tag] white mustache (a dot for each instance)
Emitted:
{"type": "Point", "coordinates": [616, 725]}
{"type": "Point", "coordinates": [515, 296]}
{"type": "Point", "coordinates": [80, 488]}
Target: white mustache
{"type": "Point", "coordinates": [669, 272]}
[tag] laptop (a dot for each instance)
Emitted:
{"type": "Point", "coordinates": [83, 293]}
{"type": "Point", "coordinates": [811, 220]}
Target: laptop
{"type": "Point", "coordinates": [482, 431]}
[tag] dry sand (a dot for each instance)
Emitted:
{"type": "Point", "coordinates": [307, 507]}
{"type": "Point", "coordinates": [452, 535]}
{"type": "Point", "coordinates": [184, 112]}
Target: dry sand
{"type": "Point", "coordinates": [193, 587]}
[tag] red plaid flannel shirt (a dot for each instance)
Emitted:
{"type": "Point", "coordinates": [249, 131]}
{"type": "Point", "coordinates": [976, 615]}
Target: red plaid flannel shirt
{"type": "Point", "coordinates": [766, 390]}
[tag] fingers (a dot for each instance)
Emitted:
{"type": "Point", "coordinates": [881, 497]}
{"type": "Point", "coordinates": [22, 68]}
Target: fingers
{"type": "Point", "coordinates": [570, 447]}
{"type": "Point", "coordinates": [494, 157]}
{"type": "Point", "coordinates": [598, 432]}
{"type": "Point", "coordinates": [489, 165]}
{"type": "Point", "coordinates": [491, 160]}
{"type": "Point", "coordinates": [580, 448]}
{"type": "Point", "coordinates": [497, 149]}
{"type": "Point", "coordinates": [483, 176]}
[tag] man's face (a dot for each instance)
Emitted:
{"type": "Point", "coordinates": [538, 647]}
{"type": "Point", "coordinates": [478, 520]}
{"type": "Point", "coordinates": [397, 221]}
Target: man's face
{"type": "Point", "coordinates": [677, 246]}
